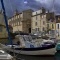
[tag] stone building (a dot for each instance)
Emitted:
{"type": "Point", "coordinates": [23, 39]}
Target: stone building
{"type": "Point", "coordinates": [21, 21]}
{"type": "Point", "coordinates": [58, 25]}
{"type": "Point", "coordinates": [38, 22]}
{"type": "Point", "coordinates": [51, 24]}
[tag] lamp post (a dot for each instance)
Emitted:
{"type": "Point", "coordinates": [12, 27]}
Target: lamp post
{"type": "Point", "coordinates": [5, 18]}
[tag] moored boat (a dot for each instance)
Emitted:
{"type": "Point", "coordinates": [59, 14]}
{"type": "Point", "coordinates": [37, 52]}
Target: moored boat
{"type": "Point", "coordinates": [28, 46]}
{"type": "Point", "coordinates": [4, 55]}
{"type": "Point", "coordinates": [58, 47]}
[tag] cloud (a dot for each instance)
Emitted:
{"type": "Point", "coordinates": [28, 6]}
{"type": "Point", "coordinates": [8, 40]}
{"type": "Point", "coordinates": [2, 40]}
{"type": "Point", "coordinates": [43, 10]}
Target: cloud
{"type": "Point", "coordinates": [20, 5]}
{"type": "Point", "coordinates": [48, 4]}
{"type": "Point", "coordinates": [34, 4]}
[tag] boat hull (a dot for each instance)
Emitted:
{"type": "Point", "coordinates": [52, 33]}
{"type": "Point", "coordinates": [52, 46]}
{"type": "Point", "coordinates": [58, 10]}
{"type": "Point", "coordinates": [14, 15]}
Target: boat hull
{"type": "Point", "coordinates": [37, 52]}
{"type": "Point", "coordinates": [50, 50]}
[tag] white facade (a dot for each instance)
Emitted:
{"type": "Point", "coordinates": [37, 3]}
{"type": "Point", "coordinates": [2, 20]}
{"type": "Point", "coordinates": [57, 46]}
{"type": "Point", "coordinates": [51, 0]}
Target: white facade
{"type": "Point", "coordinates": [38, 22]}
{"type": "Point", "coordinates": [58, 29]}
{"type": "Point", "coordinates": [37, 12]}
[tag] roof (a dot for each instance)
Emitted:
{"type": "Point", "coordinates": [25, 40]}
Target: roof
{"type": "Point", "coordinates": [20, 13]}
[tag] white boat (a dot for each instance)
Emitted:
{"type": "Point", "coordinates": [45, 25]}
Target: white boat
{"type": "Point", "coordinates": [4, 55]}
{"type": "Point", "coordinates": [30, 47]}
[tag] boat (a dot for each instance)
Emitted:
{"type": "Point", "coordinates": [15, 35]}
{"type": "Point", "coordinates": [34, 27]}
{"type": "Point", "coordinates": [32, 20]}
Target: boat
{"type": "Point", "coordinates": [28, 46]}
{"type": "Point", "coordinates": [4, 55]}
{"type": "Point", "coordinates": [58, 46]}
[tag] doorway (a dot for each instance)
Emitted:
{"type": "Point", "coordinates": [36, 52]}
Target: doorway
{"type": "Point", "coordinates": [29, 30]}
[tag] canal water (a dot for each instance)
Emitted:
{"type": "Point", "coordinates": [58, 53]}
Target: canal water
{"type": "Point", "coordinates": [26, 57]}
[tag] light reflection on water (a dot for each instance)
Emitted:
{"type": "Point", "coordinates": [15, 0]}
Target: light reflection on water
{"type": "Point", "coordinates": [26, 57]}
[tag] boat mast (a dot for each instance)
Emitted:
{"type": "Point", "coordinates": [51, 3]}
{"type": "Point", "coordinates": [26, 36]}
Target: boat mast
{"type": "Point", "coordinates": [5, 18]}
{"type": "Point", "coordinates": [54, 15]}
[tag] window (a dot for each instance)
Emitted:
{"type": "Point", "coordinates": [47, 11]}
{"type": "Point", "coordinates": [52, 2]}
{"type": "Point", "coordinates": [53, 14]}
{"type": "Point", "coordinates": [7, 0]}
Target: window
{"type": "Point", "coordinates": [43, 28]}
{"type": "Point", "coordinates": [14, 24]}
{"type": "Point", "coordinates": [35, 23]}
{"type": "Point", "coordinates": [1, 29]}
{"type": "Point", "coordinates": [12, 19]}
{"type": "Point", "coordinates": [43, 22]}
{"type": "Point", "coordinates": [38, 29]}
{"type": "Point", "coordinates": [42, 16]}
{"type": "Point", "coordinates": [21, 15]}
{"type": "Point", "coordinates": [18, 23]}
{"type": "Point", "coordinates": [48, 26]}
{"type": "Point", "coordinates": [18, 16]}
{"type": "Point", "coordinates": [58, 26]}
{"type": "Point", "coordinates": [40, 11]}
{"type": "Point", "coordinates": [52, 26]}
{"type": "Point", "coordinates": [36, 17]}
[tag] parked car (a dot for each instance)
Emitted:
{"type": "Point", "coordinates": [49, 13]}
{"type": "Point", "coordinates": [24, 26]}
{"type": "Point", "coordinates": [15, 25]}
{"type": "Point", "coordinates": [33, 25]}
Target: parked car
{"type": "Point", "coordinates": [33, 36]}
{"type": "Point", "coordinates": [39, 34]}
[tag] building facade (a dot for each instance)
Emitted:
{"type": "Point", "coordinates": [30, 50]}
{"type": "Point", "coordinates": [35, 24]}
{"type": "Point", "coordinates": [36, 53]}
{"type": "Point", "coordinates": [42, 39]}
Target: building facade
{"type": "Point", "coordinates": [50, 21]}
{"type": "Point", "coordinates": [2, 18]}
{"type": "Point", "coordinates": [38, 22]}
{"type": "Point", "coordinates": [3, 32]}
{"type": "Point", "coordinates": [22, 21]}
{"type": "Point", "coordinates": [58, 26]}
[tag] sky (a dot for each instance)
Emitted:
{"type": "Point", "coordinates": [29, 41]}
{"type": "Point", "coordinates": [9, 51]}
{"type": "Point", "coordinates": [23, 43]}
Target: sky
{"type": "Point", "coordinates": [20, 5]}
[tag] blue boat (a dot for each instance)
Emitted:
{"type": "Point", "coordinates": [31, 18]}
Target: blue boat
{"type": "Point", "coordinates": [58, 47]}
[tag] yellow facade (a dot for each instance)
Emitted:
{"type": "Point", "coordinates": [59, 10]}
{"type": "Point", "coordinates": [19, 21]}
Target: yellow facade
{"type": "Point", "coordinates": [22, 21]}
{"type": "Point", "coordinates": [51, 25]}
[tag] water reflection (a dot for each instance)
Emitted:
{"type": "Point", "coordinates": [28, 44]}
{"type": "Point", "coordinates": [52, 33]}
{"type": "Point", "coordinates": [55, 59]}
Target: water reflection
{"type": "Point", "coordinates": [57, 56]}
{"type": "Point", "coordinates": [26, 57]}
{"type": "Point", "coordinates": [37, 57]}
